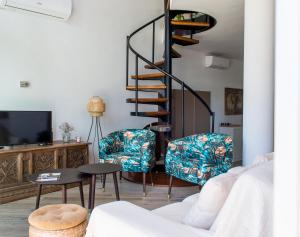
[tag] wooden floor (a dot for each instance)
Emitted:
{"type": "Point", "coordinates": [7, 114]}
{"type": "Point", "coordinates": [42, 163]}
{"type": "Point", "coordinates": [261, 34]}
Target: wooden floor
{"type": "Point", "coordinates": [13, 216]}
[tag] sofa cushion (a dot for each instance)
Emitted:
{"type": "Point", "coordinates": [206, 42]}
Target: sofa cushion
{"type": "Point", "coordinates": [113, 219]}
{"type": "Point", "coordinates": [250, 204]}
{"type": "Point", "coordinates": [174, 212]}
{"type": "Point", "coordinates": [192, 199]}
{"type": "Point", "coordinates": [211, 199]}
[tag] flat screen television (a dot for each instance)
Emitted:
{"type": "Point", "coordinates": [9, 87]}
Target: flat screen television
{"type": "Point", "coordinates": [25, 127]}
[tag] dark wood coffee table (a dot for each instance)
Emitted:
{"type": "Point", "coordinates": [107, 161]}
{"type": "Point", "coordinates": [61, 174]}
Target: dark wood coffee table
{"type": "Point", "coordinates": [100, 169]}
{"type": "Point", "coordinates": [68, 176]}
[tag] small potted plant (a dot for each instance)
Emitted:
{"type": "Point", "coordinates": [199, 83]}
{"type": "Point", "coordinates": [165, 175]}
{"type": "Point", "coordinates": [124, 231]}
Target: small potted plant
{"type": "Point", "coordinates": [66, 129]}
{"type": "Point", "coordinates": [180, 17]}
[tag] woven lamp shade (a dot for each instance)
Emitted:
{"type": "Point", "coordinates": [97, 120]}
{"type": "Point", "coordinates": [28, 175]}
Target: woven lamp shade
{"type": "Point", "coordinates": [96, 106]}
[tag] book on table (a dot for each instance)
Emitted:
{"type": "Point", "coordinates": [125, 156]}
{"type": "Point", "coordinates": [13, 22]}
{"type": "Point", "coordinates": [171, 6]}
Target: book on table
{"type": "Point", "coordinates": [46, 177]}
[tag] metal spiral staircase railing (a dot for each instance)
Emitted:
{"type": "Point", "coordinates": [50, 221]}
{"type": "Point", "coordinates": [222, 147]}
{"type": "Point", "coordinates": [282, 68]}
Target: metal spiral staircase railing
{"type": "Point", "coordinates": [180, 27]}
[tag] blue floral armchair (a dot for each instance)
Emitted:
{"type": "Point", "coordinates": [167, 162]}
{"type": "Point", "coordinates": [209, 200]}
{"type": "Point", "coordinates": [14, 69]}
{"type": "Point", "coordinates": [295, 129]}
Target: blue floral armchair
{"type": "Point", "coordinates": [134, 149]}
{"type": "Point", "coordinates": [197, 158]}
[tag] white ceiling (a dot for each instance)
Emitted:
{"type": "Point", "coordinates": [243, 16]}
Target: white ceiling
{"type": "Point", "coordinates": [227, 37]}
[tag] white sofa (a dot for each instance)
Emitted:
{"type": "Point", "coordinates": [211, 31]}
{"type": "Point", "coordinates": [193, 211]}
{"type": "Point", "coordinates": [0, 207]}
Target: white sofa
{"type": "Point", "coordinates": [247, 212]}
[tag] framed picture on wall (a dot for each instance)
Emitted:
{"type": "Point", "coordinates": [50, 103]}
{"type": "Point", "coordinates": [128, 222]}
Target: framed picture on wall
{"type": "Point", "coordinates": [233, 101]}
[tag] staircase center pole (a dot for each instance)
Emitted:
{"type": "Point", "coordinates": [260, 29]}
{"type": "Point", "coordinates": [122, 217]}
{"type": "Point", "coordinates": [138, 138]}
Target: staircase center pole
{"type": "Point", "coordinates": [166, 4]}
{"type": "Point", "coordinates": [168, 62]}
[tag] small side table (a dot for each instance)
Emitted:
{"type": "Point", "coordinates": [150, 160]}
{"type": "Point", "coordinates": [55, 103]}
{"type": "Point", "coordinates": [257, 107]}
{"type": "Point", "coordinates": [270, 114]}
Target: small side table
{"type": "Point", "coordinates": [162, 139]}
{"type": "Point", "coordinates": [68, 176]}
{"type": "Point", "coordinates": [100, 169]}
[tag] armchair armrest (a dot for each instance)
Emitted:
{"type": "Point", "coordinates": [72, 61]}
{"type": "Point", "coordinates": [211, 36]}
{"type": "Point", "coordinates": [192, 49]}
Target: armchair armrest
{"type": "Point", "coordinates": [125, 219]}
{"type": "Point", "coordinates": [109, 145]}
{"type": "Point", "coordinates": [147, 152]}
{"type": "Point", "coordinates": [217, 159]}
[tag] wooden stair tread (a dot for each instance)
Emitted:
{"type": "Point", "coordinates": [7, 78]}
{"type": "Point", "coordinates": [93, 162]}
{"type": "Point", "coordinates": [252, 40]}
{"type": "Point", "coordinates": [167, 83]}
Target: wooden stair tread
{"type": "Point", "coordinates": [151, 114]}
{"type": "Point", "coordinates": [147, 100]}
{"type": "Point", "coordinates": [147, 87]}
{"type": "Point", "coordinates": [184, 41]}
{"type": "Point", "coordinates": [159, 64]}
{"type": "Point", "coordinates": [189, 23]}
{"type": "Point", "coordinates": [157, 113]}
{"type": "Point", "coordinates": [148, 76]}
{"type": "Point", "coordinates": [175, 54]}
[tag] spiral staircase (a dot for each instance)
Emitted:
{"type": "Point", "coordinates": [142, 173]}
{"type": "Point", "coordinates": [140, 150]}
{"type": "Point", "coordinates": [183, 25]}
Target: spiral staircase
{"type": "Point", "coordinates": [180, 28]}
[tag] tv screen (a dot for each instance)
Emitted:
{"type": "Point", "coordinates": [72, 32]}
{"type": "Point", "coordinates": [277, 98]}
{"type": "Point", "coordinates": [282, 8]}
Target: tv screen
{"type": "Point", "coordinates": [25, 127]}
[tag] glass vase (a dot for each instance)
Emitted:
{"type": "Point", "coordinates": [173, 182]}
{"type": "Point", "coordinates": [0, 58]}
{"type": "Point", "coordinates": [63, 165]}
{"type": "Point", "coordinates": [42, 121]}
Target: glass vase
{"type": "Point", "coordinates": [66, 137]}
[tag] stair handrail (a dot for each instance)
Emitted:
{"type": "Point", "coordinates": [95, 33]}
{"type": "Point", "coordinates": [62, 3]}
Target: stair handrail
{"type": "Point", "coordinates": [139, 56]}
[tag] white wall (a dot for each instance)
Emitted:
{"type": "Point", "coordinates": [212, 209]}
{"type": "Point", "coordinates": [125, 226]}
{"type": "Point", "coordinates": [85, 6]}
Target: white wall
{"type": "Point", "coordinates": [68, 62]}
{"type": "Point", "coordinates": [258, 79]}
{"type": "Point", "coordinates": [190, 68]}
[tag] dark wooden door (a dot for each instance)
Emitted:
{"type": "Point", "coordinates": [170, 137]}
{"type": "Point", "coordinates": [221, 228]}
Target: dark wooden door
{"type": "Point", "coordinates": [197, 118]}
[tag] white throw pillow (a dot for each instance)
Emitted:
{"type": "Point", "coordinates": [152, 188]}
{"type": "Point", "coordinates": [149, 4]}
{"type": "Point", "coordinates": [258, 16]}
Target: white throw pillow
{"type": "Point", "coordinates": [211, 199]}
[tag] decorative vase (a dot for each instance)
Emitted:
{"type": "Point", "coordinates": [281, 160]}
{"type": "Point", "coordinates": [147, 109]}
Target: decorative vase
{"type": "Point", "coordinates": [66, 137]}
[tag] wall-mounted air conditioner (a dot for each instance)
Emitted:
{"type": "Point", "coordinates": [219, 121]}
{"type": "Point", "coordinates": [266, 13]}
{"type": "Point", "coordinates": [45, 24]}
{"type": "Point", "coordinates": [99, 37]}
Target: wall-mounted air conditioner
{"type": "Point", "coordinates": [61, 9]}
{"type": "Point", "coordinates": [217, 62]}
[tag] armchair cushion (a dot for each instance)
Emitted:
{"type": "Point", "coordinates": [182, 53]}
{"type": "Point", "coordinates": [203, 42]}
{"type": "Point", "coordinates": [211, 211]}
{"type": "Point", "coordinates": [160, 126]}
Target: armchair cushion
{"type": "Point", "coordinates": [132, 142]}
{"type": "Point", "coordinates": [186, 169]}
{"type": "Point", "coordinates": [135, 139]}
{"type": "Point", "coordinates": [130, 162]}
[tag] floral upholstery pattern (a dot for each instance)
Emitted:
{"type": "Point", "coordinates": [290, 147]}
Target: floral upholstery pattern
{"type": "Point", "coordinates": [134, 149]}
{"type": "Point", "coordinates": [197, 158]}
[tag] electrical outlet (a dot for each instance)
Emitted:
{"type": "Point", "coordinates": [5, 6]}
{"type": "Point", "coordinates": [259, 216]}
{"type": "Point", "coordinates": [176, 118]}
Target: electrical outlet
{"type": "Point", "coordinates": [24, 84]}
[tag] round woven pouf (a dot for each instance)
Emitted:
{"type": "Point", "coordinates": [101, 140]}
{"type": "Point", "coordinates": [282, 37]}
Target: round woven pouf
{"type": "Point", "coordinates": [63, 220]}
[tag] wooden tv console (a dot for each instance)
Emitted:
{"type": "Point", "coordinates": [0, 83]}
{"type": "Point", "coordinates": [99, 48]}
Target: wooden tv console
{"type": "Point", "coordinates": [18, 162]}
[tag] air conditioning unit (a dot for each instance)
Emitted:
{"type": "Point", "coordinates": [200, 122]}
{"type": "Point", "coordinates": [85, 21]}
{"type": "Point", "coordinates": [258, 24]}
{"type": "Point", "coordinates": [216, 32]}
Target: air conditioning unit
{"type": "Point", "coordinates": [60, 9]}
{"type": "Point", "coordinates": [217, 62]}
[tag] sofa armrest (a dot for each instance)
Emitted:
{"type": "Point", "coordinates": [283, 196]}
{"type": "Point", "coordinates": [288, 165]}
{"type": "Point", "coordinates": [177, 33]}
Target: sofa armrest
{"type": "Point", "coordinates": [127, 220]}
